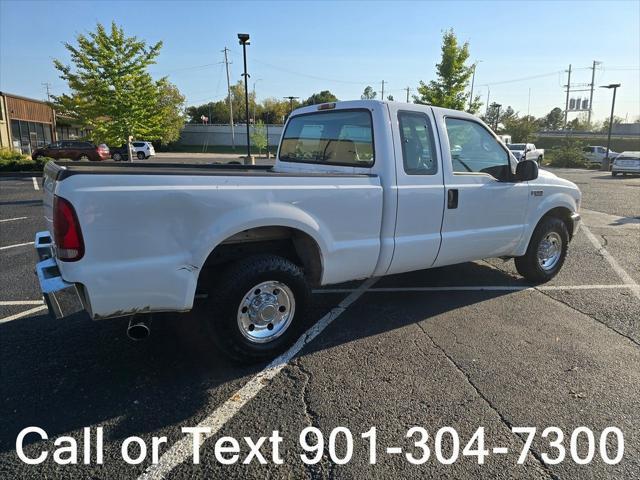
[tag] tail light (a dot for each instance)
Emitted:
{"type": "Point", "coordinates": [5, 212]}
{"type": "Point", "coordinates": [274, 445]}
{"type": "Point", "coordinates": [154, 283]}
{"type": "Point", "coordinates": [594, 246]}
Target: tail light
{"type": "Point", "coordinates": [66, 231]}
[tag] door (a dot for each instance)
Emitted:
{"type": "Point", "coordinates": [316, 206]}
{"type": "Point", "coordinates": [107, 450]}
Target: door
{"type": "Point", "coordinates": [485, 208]}
{"type": "Point", "coordinates": [420, 191]}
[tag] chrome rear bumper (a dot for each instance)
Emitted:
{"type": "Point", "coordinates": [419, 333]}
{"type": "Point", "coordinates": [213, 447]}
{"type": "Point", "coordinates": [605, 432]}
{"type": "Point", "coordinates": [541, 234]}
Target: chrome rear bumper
{"type": "Point", "coordinates": [62, 298]}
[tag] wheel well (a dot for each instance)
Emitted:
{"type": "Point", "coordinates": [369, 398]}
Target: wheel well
{"type": "Point", "coordinates": [290, 243]}
{"type": "Point", "coordinates": [563, 214]}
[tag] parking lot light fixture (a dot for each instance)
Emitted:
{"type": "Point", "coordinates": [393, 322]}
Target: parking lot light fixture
{"type": "Point", "coordinates": [244, 41]}
{"type": "Point", "coordinates": [606, 161]}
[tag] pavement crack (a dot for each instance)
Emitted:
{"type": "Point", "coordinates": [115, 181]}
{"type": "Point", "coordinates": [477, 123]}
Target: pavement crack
{"type": "Point", "coordinates": [324, 469]}
{"type": "Point", "coordinates": [628, 337]}
{"type": "Point", "coordinates": [493, 407]}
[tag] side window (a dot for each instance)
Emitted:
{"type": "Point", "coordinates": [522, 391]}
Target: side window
{"type": "Point", "coordinates": [474, 150]}
{"type": "Point", "coordinates": [138, 144]}
{"type": "Point", "coordinates": [418, 146]}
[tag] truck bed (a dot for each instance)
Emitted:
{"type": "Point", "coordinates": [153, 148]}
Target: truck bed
{"type": "Point", "coordinates": [59, 170]}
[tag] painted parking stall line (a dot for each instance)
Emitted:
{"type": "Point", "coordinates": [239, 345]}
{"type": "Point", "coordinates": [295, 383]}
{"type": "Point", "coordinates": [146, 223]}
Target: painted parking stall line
{"type": "Point", "coordinates": [16, 245]}
{"type": "Point", "coordinates": [621, 272]}
{"type": "Point", "coordinates": [26, 313]}
{"type": "Point", "coordinates": [35, 183]}
{"type": "Point", "coordinates": [5, 303]}
{"type": "Point", "coordinates": [183, 449]}
{"type": "Point", "coordinates": [13, 219]}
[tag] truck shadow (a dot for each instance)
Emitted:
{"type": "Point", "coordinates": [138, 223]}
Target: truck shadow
{"type": "Point", "coordinates": [66, 375]}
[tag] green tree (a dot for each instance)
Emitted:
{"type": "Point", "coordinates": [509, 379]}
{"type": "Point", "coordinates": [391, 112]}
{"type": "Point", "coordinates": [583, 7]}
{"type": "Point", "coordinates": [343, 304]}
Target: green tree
{"type": "Point", "coordinates": [453, 77]}
{"type": "Point", "coordinates": [497, 115]}
{"type": "Point", "coordinates": [274, 110]}
{"type": "Point", "coordinates": [259, 136]}
{"type": "Point", "coordinates": [324, 96]}
{"type": "Point", "coordinates": [111, 92]}
{"type": "Point", "coordinates": [522, 130]}
{"type": "Point", "coordinates": [217, 112]}
{"type": "Point", "coordinates": [390, 98]}
{"type": "Point", "coordinates": [368, 94]}
{"type": "Point", "coordinates": [553, 120]}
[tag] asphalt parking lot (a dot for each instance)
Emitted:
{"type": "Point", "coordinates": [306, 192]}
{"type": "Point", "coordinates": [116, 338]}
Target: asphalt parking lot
{"type": "Point", "coordinates": [465, 346]}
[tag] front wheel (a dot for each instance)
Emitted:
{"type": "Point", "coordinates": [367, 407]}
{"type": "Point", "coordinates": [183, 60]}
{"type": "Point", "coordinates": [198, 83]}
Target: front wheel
{"type": "Point", "coordinates": [141, 156]}
{"type": "Point", "coordinates": [116, 157]}
{"type": "Point", "coordinates": [546, 251]}
{"type": "Point", "coordinates": [255, 310]}
{"type": "Point", "coordinates": [614, 174]}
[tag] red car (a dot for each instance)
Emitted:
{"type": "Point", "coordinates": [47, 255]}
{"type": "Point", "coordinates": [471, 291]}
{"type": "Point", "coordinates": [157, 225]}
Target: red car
{"type": "Point", "coordinates": [73, 150]}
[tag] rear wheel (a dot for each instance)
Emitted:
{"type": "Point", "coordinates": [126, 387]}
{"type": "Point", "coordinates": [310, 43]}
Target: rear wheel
{"type": "Point", "coordinates": [546, 252]}
{"type": "Point", "coordinates": [254, 311]}
{"type": "Point", "coordinates": [614, 174]}
{"type": "Point", "coordinates": [117, 157]}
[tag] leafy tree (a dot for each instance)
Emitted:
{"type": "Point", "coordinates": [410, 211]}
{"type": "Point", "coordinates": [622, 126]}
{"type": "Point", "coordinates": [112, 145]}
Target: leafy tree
{"type": "Point", "coordinates": [522, 130]}
{"type": "Point", "coordinates": [496, 115]}
{"type": "Point", "coordinates": [390, 98]}
{"type": "Point", "coordinates": [324, 96]}
{"type": "Point", "coordinates": [274, 110]}
{"type": "Point", "coordinates": [368, 94]}
{"type": "Point", "coordinates": [217, 112]}
{"type": "Point", "coordinates": [553, 120]}
{"type": "Point", "coordinates": [453, 76]}
{"type": "Point", "coordinates": [111, 92]}
{"type": "Point", "coordinates": [171, 104]}
{"type": "Point", "coordinates": [259, 136]}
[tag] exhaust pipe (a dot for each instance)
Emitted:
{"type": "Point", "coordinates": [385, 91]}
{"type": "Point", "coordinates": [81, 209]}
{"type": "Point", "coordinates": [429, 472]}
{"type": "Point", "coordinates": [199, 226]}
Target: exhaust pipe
{"type": "Point", "coordinates": [139, 327]}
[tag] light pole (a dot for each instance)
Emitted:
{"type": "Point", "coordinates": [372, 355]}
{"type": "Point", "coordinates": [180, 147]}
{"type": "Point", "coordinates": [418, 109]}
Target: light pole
{"type": "Point", "coordinates": [606, 161]}
{"type": "Point", "coordinates": [473, 79]}
{"type": "Point", "coordinates": [291, 99]}
{"type": "Point", "coordinates": [498, 105]}
{"type": "Point", "coordinates": [244, 41]}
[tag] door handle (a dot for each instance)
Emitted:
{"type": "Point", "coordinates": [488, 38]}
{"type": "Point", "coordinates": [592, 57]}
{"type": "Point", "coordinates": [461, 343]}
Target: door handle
{"type": "Point", "coordinates": [452, 198]}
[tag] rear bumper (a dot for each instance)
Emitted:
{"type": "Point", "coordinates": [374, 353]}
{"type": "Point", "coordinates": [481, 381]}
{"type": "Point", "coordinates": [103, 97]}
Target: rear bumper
{"type": "Point", "coordinates": [621, 169]}
{"type": "Point", "coordinates": [62, 298]}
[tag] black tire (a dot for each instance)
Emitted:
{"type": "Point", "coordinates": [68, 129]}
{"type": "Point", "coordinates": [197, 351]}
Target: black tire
{"type": "Point", "coordinates": [528, 265]}
{"type": "Point", "coordinates": [117, 157]}
{"type": "Point", "coordinates": [141, 156]}
{"type": "Point", "coordinates": [540, 159]}
{"type": "Point", "coordinates": [614, 174]}
{"type": "Point", "coordinates": [225, 297]}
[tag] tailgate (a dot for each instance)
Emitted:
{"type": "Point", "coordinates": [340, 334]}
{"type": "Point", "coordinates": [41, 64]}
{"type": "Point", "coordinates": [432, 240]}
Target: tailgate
{"type": "Point", "coordinates": [49, 180]}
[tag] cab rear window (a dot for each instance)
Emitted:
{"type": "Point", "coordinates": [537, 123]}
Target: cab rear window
{"type": "Point", "coordinates": [340, 137]}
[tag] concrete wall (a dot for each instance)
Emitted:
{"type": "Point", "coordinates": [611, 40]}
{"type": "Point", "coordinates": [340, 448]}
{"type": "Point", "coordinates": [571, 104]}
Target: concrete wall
{"type": "Point", "coordinates": [220, 135]}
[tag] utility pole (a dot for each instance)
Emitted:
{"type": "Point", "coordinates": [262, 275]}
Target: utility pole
{"type": "Point", "coordinates": [291, 99]}
{"type": "Point", "coordinates": [47, 85]}
{"type": "Point", "coordinates": [529, 103]}
{"type": "Point", "coordinates": [407, 89]}
{"type": "Point", "coordinates": [566, 105]}
{"type": "Point", "coordinates": [382, 94]}
{"type": "Point", "coordinates": [226, 63]}
{"type": "Point", "coordinates": [593, 78]}
{"type": "Point", "coordinates": [486, 111]}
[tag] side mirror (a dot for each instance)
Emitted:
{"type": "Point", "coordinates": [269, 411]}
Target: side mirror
{"type": "Point", "coordinates": [527, 170]}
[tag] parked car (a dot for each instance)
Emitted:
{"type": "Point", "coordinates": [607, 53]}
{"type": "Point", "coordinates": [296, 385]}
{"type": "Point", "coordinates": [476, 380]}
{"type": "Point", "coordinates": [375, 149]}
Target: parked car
{"type": "Point", "coordinates": [626, 162]}
{"type": "Point", "coordinates": [351, 196]}
{"type": "Point", "coordinates": [526, 151]}
{"type": "Point", "coordinates": [143, 150]}
{"type": "Point", "coordinates": [73, 150]}
{"type": "Point", "coordinates": [596, 154]}
{"type": "Point", "coordinates": [119, 154]}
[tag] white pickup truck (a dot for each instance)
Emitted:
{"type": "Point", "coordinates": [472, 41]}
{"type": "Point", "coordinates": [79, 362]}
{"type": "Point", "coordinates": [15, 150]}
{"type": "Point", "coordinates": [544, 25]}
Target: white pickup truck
{"type": "Point", "coordinates": [526, 151]}
{"type": "Point", "coordinates": [359, 189]}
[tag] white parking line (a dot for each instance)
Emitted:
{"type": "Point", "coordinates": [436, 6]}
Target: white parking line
{"type": "Point", "coordinates": [35, 183]}
{"type": "Point", "coordinates": [12, 219]}
{"type": "Point", "coordinates": [183, 449]}
{"type": "Point", "coordinates": [16, 245]}
{"type": "Point", "coordinates": [624, 276]}
{"type": "Point", "coordinates": [21, 302]}
{"type": "Point", "coordinates": [481, 288]}
{"type": "Point", "coordinates": [22, 314]}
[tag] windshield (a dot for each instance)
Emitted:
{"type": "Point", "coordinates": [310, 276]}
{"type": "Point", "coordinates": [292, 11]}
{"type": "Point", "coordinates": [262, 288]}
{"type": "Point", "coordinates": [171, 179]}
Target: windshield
{"type": "Point", "coordinates": [516, 146]}
{"type": "Point", "coordinates": [340, 137]}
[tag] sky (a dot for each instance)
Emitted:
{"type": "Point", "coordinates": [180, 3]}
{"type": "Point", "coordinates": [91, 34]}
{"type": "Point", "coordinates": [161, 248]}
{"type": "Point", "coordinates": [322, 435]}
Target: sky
{"type": "Point", "coordinates": [298, 48]}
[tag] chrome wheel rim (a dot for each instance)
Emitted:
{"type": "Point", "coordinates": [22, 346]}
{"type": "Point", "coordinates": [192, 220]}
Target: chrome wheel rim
{"type": "Point", "coordinates": [549, 251]}
{"type": "Point", "coordinates": [266, 311]}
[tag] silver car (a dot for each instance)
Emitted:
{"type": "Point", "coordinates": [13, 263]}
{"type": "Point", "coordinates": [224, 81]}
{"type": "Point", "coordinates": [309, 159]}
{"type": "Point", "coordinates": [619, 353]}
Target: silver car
{"type": "Point", "coordinates": [626, 162]}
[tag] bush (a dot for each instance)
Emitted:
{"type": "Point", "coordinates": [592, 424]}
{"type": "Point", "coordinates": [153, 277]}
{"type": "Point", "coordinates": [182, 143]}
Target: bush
{"type": "Point", "coordinates": [568, 155]}
{"type": "Point", "coordinates": [12, 161]}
